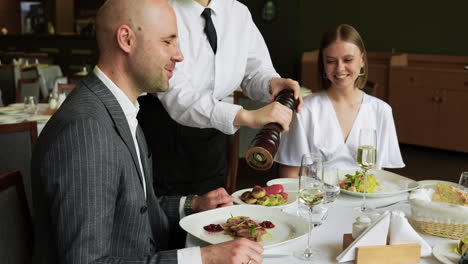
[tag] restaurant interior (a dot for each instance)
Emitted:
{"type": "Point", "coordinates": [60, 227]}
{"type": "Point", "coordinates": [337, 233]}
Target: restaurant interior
{"type": "Point", "coordinates": [418, 64]}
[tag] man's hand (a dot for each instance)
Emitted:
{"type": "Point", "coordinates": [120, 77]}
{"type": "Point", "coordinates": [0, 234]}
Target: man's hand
{"type": "Point", "coordinates": [278, 84]}
{"type": "Point", "coordinates": [272, 113]}
{"type": "Point", "coordinates": [211, 200]}
{"type": "Point", "coordinates": [237, 251]}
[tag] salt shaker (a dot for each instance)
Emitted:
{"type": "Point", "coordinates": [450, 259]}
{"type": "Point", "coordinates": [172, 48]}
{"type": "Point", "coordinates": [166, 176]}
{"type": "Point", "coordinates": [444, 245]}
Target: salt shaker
{"type": "Point", "coordinates": [362, 222]}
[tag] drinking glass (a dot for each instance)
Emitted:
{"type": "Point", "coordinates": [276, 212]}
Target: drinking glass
{"type": "Point", "coordinates": [464, 180]}
{"type": "Point", "coordinates": [330, 184]}
{"type": "Point", "coordinates": [311, 194]}
{"type": "Point", "coordinates": [30, 105]}
{"type": "Point", "coordinates": [366, 159]}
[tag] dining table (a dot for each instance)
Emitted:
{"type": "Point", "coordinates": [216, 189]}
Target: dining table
{"type": "Point", "coordinates": [328, 238]}
{"type": "Point", "coordinates": [41, 117]}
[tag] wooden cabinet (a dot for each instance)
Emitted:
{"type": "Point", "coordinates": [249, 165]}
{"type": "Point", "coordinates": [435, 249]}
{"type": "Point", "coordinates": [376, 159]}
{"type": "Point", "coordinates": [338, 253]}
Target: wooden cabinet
{"type": "Point", "coordinates": [430, 105]}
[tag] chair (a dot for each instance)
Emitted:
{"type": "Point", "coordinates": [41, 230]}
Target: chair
{"type": "Point", "coordinates": [371, 88]}
{"type": "Point", "coordinates": [16, 232]}
{"type": "Point", "coordinates": [41, 57]}
{"type": "Point", "coordinates": [29, 73]}
{"type": "Point", "coordinates": [75, 78]}
{"type": "Point", "coordinates": [18, 141]}
{"type": "Point", "coordinates": [66, 88]}
{"type": "Point", "coordinates": [7, 84]}
{"type": "Point", "coordinates": [27, 87]}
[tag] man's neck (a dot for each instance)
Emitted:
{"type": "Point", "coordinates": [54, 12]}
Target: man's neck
{"type": "Point", "coordinates": [204, 3]}
{"type": "Point", "coordinates": [121, 81]}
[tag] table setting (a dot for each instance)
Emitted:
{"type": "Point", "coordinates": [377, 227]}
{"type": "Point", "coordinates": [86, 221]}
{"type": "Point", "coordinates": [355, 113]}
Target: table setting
{"type": "Point", "coordinates": [338, 215]}
{"type": "Point", "coordinates": [30, 110]}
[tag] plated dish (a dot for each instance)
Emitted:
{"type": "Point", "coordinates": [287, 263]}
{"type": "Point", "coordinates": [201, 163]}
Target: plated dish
{"type": "Point", "coordinates": [433, 183]}
{"type": "Point", "coordinates": [287, 228]}
{"type": "Point", "coordinates": [289, 184]}
{"type": "Point", "coordinates": [390, 183]}
{"type": "Point", "coordinates": [292, 198]}
{"type": "Point", "coordinates": [443, 252]}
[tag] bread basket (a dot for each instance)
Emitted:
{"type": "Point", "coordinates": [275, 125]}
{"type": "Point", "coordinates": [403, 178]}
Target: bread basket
{"type": "Point", "coordinates": [435, 218]}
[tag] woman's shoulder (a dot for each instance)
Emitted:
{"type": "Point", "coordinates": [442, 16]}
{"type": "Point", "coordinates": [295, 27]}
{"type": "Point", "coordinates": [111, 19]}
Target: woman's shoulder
{"type": "Point", "coordinates": [314, 99]}
{"type": "Point", "coordinates": [377, 104]}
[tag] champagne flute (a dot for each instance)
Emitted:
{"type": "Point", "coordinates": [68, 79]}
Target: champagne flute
{"type": "Point", "coordinates": [366, 159]}
{"type": "Point", "coordinates": [311, 194]}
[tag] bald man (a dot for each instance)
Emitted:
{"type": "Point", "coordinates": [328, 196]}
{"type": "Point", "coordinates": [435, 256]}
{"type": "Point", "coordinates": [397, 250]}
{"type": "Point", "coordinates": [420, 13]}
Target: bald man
{"type": "Point", "coordinates": [92, 175]}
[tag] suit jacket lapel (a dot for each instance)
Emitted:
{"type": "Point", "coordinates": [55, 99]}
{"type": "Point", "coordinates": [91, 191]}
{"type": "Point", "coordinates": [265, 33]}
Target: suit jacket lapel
{"type": "Point", "coordinates": [117, 115]}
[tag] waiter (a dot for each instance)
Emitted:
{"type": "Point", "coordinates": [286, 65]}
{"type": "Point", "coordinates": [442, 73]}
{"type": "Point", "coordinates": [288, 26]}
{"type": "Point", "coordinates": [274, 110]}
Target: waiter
{"type": "Point", "coordinates": [223, 50]}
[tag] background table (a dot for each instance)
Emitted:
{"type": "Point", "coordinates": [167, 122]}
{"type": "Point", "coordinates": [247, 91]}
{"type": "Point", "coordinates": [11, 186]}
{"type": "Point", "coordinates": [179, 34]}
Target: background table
{"type": "Point", "coordinates": [328, 238]}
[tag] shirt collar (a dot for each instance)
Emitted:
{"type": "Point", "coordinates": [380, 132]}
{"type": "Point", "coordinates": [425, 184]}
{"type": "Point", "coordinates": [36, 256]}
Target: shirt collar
{"type": "Point", "coordinates": [213, 5]}
{"type": "Point", "coordinates": [130, 109]}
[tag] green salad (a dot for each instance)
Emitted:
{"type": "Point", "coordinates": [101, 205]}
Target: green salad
{"type": "Point", "coordinates": [355, 183]}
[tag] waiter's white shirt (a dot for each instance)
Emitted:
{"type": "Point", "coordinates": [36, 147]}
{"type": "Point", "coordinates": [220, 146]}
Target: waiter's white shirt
{"type": "Point", "coordinates": [184, 256]}
{"type": "Point", "coordinates": [203, 78]}
{"type": "Point", "coordinates": [317, 130]}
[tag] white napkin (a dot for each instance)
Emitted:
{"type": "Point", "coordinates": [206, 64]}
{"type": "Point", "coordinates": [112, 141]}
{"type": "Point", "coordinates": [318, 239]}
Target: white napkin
{"type": "Point", "coordinates": [401, 232]}
{"type": "Point", "coordinates": [375, 235]}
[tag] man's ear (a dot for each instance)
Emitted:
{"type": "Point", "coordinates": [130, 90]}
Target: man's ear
{"type": "Point", "coordinates": [125, 38]}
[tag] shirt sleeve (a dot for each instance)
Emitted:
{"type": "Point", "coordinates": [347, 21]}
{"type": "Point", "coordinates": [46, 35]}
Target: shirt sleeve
{"type": "Point", "coordinates": [189, 256]}
{"type": "Point", "coordinates": [259, 69]}
{"type": "Point", "coordinates": [388, 150]}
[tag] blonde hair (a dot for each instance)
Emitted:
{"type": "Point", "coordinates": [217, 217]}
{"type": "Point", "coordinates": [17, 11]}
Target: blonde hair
{"type": "Point", "coordinates": [349, 34]}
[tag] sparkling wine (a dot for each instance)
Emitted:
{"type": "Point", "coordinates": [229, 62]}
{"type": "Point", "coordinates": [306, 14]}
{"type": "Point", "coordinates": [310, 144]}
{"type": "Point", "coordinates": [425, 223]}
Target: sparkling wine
{"type": "Point", "coordinates": [311, 197]}
{"type": "Point", "coordinates": [366, 156]}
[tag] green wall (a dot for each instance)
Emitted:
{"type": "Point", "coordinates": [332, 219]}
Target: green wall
{"type": "Point", "coordinates": [413, 26]}
{"type": "Point", "coordinates": [432, 27]}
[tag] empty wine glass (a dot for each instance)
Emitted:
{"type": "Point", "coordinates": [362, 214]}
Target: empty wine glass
{"type": "Point", "coordinates": [30, 105]}
{"type": "Point", "coordinates": [366, 159]}
{"type": "Point", "coordinates": [464, 180]}
{"type": "Point", "coordinates": [311, 194]}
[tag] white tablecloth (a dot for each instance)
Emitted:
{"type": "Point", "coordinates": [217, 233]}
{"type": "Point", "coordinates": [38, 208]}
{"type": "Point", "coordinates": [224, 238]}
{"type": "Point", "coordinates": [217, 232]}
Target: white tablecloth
{"type": "Point", "coordinates": [328, 238]}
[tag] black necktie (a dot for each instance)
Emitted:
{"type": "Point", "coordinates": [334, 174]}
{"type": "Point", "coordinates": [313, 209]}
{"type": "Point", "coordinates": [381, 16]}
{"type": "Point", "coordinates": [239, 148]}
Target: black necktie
{"type": "Point", "coordinates": [210, 29]}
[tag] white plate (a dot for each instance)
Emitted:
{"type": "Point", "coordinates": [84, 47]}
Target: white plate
{"type": "Point", "coordinates": [11, 119]}
{"type": "Point", "coordinates": [10, 110]}
{"type": "Point", "coordinates": [390, 184]}
{"type": "Point", "coordinates": [433, 183]}
{"type": "Point", "coordinates": [292, 198]}
{"type": "Point", "coordinates": [17, 106]}
{"type": "Point", "coordinates": [39, 118]}
{"type": "Point", "coordinates": [443, 252]}
{"type": "Point", "coordinates": [288, 227]}
{"type": "Point", "coordinates": [289, 184]}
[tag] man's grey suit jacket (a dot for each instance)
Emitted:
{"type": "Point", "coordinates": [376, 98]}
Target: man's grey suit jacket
{"type": "Point", "coordinates": [89, 203]}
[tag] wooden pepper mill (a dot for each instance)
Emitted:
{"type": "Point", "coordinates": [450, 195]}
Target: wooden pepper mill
{"type": "Point", "coordinates": [263, 147]}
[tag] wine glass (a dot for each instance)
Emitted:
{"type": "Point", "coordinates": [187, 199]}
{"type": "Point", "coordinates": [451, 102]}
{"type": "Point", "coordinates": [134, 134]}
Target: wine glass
{"type": "Point", "coordinates": [464, 180]}
{"type": "Point", "coordinates": [366, 159]}
{"type": "Point", "coordinates": [330, 184]}
{"type": "Point", "coordinates": [30, 105]}
{"type": "Point", "coordinates": [311, 194]}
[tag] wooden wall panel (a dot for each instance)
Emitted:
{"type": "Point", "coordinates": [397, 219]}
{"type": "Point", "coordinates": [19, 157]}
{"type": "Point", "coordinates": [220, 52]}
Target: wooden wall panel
{"type": "Point", "coordinates": [10, 16]}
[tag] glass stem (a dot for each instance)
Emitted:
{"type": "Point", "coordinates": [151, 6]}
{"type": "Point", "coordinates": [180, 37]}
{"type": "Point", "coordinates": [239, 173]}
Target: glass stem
{"type": "Point", "coordinates": [308, 250]}
{"type": "Point", "coordinates": [364, 205]}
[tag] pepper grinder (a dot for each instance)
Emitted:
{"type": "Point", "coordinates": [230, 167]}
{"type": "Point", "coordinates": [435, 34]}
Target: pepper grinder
{"type": "Point", "coordinates": [263, 147]}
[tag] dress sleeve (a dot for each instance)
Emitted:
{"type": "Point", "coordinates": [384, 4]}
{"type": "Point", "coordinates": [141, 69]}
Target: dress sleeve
{"type": "Point", "coordinates": [293, 143]}
{"type": "Point", "coordinates": [388, 148]}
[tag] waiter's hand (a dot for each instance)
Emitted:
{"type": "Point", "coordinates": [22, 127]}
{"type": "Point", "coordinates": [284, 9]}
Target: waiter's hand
{"type": "Point", "coordinates": [278, 84]}
{"type": "Point", "coordinates": [211, 200]}
{"type": "Point", "coordinates": [271, 113]}
{"type": "Point", "coordinates": [237, 251]}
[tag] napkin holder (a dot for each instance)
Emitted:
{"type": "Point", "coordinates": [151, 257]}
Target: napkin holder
{"type": "Point", "coordinates": [388, 254]}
